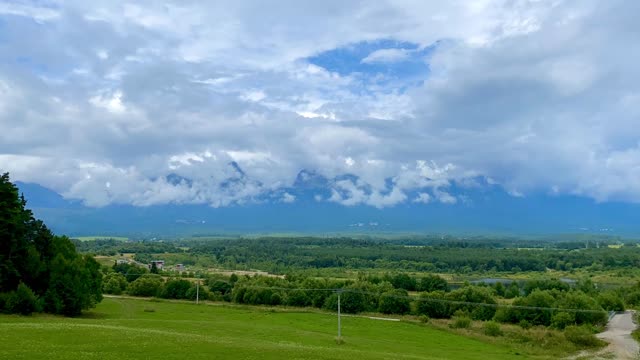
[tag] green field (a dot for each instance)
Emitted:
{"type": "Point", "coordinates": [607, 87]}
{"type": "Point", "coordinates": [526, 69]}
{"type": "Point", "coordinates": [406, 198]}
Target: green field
{"type": "Point", "coordinates": [141, 329]}
{"type": "Point", "coordinates": [93, 238]}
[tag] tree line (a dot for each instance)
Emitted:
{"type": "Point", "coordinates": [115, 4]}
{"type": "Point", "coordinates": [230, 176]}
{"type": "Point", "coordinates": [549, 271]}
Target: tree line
{"type": "Point", "coordinates": [546, 302]}
{"type": "Point", "coordinates": [39, 271]}
{"type": "Point", "coordinates": [283, 255]}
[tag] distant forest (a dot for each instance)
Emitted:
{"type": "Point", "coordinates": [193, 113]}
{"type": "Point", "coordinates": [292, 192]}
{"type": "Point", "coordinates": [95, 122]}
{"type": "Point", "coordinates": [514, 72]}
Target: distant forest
{"type": "Point", "coordinates": [429, 254]}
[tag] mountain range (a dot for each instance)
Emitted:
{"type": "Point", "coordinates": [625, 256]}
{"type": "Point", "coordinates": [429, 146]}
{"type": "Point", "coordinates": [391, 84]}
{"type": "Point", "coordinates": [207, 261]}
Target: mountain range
{"type": "Point", "coordinates": [483, 210]}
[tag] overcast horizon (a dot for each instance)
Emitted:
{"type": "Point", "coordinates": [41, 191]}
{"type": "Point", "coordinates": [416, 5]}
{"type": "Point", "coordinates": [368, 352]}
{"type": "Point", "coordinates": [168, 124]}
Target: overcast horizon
{"type": "Point", "coordinates": [377, 104]}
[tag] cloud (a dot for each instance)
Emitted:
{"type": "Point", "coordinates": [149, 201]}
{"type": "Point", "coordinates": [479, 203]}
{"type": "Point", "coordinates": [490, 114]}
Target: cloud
{"type": "Point", "coordinates": [386, 56]}
{"type": "Point", "coordinates": [288, 198]}
{"type": "Point", "coordinates": [423, 198]}
{"type": "Point", "coordinates": [536, 96]}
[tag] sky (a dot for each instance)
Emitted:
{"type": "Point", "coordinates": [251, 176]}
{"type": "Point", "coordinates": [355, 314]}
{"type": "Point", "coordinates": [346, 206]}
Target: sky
{"type": "Point", "coordinates": [228, 103]}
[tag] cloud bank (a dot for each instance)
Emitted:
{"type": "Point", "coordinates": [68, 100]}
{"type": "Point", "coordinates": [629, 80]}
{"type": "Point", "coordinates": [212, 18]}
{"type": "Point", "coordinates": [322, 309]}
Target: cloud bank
{"type": "Point", "coordinates": [391, 102]}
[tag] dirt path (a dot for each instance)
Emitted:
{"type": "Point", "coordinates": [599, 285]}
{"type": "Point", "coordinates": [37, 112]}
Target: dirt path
{"type": "Point", "coordinates": [618, 335]}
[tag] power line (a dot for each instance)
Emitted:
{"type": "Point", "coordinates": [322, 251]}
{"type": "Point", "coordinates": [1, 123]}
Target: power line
{"type": "Point", "coordinates": [420, 298]}
{"type": "Point", "coordinates": [431, 299]}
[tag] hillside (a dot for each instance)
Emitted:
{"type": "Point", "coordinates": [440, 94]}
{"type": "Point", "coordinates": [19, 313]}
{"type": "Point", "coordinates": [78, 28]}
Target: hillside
{"type": "Point", "coordinates": [142, 329]}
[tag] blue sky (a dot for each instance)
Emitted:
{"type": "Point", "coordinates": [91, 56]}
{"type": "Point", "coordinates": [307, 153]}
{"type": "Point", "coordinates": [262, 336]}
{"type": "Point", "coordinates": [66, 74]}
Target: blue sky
{"type": "Point", "coordinates": [388, 103]}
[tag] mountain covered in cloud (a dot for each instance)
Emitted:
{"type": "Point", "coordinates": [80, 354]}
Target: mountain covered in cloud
{"type": "Point", "coordinates": [423, 115]}
{"type": "Point", "coordinates": [478, 210]}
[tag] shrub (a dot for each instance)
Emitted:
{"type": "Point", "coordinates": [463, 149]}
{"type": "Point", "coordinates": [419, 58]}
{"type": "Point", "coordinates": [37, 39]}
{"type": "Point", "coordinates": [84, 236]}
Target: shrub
{"type": "Point", "coordinates": [276, 299]}
{"type": "Point", "coordinates": [461, 322]}
{"type": "Point", "coordinates": [562, 319]}
{"type": "Point", "coordinates": [22, 301]}
{"type": "Point", "coordinates": [433, 283]}
{"type": "Point", "coordinates": [469, 298]}
{"type": "Point", "coordinates": [114, 283]}
{"type": "Point", "coordinates": [4, 297]}
{"type": "Point", "coordinates": [492, 328]}
{"type": "Point", "coordinates": [220, 286]}
{"type": "Point", "coordinates": [147, 285]}
{"type": "Point", "coordinates": [394, 302]}
{"type": "Point", "coordinates": [433, 305]}
{"type": "Point", "coordinates": [424, 319]}
{"type": "Point", "coordinates": [176, 289]}
{"type": "Point", "coordinates": [581, 336]}
{"type": "Point", "coordinates": [579, 300]}
{"type": "Point", "coordinates": [524, 324]}
{"type": "Point", "coordinates": [610, 301]}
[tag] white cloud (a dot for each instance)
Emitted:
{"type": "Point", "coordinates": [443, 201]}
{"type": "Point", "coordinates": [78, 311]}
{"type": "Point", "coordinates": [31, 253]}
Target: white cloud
{"type": "Point", "coordinates": [38, 13]}
{"type": "Point", "coordinates": [423, 198]}
{"type": "Point", "coordinates": [532, 95]}
{"type": "Point", "coordinates": [387, 56]}
{"type": "Point", "coordinates": [111, 103]}
{"type": "Point", "coordinates": [444, 197]}
{"type": "Point", "coordinates": [288, 198]}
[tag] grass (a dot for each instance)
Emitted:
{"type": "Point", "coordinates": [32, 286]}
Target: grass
{"type": "Point", "coordinates": [93, 238]}
{"type": "Point", "coordinates": [142, 329]}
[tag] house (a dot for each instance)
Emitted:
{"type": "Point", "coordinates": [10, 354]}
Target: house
{"type": "Point", "coordinates": [122, 261]}
{"type": "Point", "coordinates": [180, 267]}
{"type": "Point", "coordinates": [159, 264]}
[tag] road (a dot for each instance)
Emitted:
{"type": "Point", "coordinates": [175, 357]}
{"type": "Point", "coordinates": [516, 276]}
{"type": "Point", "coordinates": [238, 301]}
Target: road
{"type": "Point", "coordinates": [618, 335]}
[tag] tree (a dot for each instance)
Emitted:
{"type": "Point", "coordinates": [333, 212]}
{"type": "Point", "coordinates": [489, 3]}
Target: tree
{"type": "Point", "coordinates": [403, 281]}
{"type": "Point", "coordinates": [22, 301]}
{"type": "Point", "coordinates": [146, 285]}
{"type": "Point", "coordinates": [114, 283]}
{"type": "Point", "coordinates": [470, 299]}
{"type": "Point", "coordinates": [47, 265]}
{"type": "Point", "coordinates": [535, 316]}
{"type": "Point", "coordinates": [350, 302]}
{"type": "Point", "coordinates": [394, 302]}
{"type": "Point", "coordinates": [220, 286]}
{"type": "Point", "coordinates": [297, 298]}
{"type": "Point", "coordinates": [431, 283]}
{"type": "Point", "coordinates": [433, 304]}
{"type": "Point", "coordinates": [611, 301]}
{"type": "Point", "coordinates": [176, 289]}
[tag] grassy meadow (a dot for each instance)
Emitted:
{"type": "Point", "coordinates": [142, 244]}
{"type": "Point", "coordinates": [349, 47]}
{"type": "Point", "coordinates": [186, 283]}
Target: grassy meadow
{"type": "Point", "coordinates": [144, 329]}
{"type": "Point", "coordinates": [93, 238]}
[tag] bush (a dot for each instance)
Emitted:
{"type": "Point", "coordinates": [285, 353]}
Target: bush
{"type": "Point", "coordinates": [524, 324]}
{"type": "Point", "coordinates": [433, 283]}
{"type": "Point", "coordinates": [4, 297]}
{"type": "Point", "coordinates": [582, 336]}
{"type": "Point", "coordinates": [579, 300]}
{"type": "Point", "coordinates": [114, 283]}
{"type": "Point", "coordinates": [276, 299]}
{"type": "Point", "coordinates": [492, 328]}
{"type": "Point", "coordinates": [562, 319]}
{"type": "Point", "coordinates": [461, 322]}
{"type": "Point", "coordinates": [176, 289]}
{"type": "Point", "coordinates": [536, 299]}
{"type": "Point", "coordinates": [433, 305]}
{"type": "Point", "coordinates": [147, 285]}
{"type": "Point", "coordinates": [394, 302]}
{"type": "Point", "coordinates": [610, 301]}
{"type": "Point", "coordinates": [350, 302]}
{"type": "Point", "coordinates": [424, 319]}
{"type": "Point", "coordinates": [470, 298]}
{"type": "Point", "coordinates": [220, 286]}
{"type": "Point", "coordinates": [22, 301]}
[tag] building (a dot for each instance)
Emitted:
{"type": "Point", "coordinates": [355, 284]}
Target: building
{"type": "Point", "coordinates": [180, 267]}
{"type": "Point", "coordinates": [159, 264]}
{"type": "Point", "coordinates": [122, 261]}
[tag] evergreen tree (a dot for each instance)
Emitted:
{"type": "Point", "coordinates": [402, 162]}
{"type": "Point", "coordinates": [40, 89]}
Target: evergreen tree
{"type": "Point", "coordinates": [35, 262]}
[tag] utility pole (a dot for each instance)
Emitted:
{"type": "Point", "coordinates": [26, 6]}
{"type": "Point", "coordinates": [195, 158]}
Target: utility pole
{"type": "Point", "coordinates": [339, 291]}
{"type": "Point", "coordinates": [197, 288]}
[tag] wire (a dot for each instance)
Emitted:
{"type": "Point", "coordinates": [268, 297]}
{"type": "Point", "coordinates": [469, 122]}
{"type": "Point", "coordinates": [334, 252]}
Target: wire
{"type": "Point", "coordinates": [431, 299]}
{"type": "Point", "coordinates": [420, 298]}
